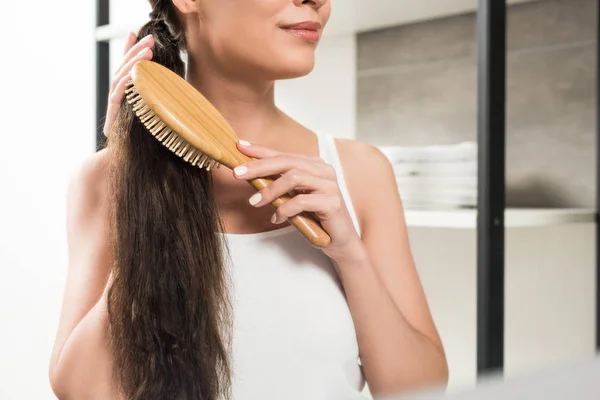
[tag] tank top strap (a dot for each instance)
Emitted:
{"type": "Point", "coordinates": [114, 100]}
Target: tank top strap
{"type": "Point", "coordinates": [328, 151]}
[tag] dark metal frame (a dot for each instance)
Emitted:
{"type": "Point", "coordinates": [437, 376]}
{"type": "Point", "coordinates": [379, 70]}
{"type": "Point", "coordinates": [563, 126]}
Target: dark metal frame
{"type": "Point", "coordinates": [598, 179]}
{"type": "Point", "coordinates": [491, 126]}
{"type": "Point", "coordinates": [491, 37]}
{"type": "Point", "coordinates": [102, 71]}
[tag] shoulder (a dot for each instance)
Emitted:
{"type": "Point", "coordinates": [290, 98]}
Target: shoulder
{"type": "Point", "coordinates": [362, 155]}
{"type": "Point", "coordinates": [89, 178]}
{"type": "Point", "coordinates": [87, 191]}
{"type": "Point", "coordinates": [364, 163]}
{"type": "Point", "coordinates": [369, 175]}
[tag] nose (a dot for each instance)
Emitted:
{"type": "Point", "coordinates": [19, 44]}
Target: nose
{"type": "Point", "coordinates": [315, 3]}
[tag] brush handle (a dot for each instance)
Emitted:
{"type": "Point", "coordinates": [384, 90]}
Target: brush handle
{"type": "Point", "coordinates": [304, 222]}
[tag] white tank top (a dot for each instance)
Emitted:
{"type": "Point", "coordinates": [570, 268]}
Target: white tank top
{"type": "Point", "coordinates": [293, 334]}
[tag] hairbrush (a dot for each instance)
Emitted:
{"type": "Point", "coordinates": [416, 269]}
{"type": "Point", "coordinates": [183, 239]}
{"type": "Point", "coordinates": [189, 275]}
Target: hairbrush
{"type": "Point", "coordinates": [185, 122]}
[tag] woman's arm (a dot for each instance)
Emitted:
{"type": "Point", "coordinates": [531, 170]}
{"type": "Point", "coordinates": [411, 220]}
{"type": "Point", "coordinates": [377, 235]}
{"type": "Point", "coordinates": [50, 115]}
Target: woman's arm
{"type": "Point", "coordinates": [80, 362]}
{"type": "Point", "coordinates": [399, 345]}
{"type": "Point", "coordinates": [400, 348]}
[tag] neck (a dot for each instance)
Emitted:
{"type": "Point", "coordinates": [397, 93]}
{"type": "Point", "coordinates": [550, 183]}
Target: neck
{"type": "Point", "coordinates": [248, 106]}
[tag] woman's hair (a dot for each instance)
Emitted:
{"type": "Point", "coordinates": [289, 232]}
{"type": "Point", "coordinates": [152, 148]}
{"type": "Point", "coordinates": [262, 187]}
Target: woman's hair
{"type": "Point", "coordinates": [168, 305]}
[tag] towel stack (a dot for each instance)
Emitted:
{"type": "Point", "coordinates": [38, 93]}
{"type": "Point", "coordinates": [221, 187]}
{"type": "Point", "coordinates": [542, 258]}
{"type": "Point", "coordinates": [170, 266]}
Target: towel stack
{"type": "Point", "coordinates": [436, 177]}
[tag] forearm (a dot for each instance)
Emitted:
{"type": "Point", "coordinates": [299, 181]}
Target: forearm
{"type": "Point", "coordinates": [395, 356]}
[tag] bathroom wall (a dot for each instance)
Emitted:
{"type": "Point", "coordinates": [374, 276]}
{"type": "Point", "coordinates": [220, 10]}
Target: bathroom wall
{"type": "Point", "coordinates": [417, 86]}
{"type": "Point", "coordinates": [331, 111]}
{"type": "Point", "coordinates": [47, 83]}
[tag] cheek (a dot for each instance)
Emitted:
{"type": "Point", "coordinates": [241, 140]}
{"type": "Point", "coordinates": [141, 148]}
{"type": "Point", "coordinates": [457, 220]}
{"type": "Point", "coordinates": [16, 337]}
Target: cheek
{"type": "Point", "coordinates": [271, 53]}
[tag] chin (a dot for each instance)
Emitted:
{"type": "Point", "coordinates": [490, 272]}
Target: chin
{"type": "Point", "coordinates": [294, 66]}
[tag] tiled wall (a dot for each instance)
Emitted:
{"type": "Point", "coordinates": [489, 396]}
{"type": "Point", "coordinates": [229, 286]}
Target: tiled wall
{"type": "Point", "coordinates": [417, 86]}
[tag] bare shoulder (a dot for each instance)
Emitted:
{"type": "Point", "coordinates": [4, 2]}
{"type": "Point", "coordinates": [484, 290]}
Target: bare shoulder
{"type": "Point", "coordinates": [359, 156]}
{"type": "Point", "coordinates": [91, 172]}
{"type": "Point", "coordinates": [87, 191]}
{"type": "Point", "coordinates": [369, 175]}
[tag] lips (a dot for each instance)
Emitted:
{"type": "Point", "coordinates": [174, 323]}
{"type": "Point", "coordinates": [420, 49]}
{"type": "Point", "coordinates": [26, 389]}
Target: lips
{"type": "Point", "coordinates": [307, 30]}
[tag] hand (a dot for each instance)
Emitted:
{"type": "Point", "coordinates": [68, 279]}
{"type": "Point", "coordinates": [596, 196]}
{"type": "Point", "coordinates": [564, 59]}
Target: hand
{"type": "Point", "coordinates": [318, 192]}
{"type": "Point", "coordinates": [133, 53]}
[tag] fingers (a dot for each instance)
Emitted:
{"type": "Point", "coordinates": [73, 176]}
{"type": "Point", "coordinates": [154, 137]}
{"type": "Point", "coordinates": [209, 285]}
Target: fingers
{"type": "Point", "coordinates": [144, 54]}
{"type": "Point", "coordinates": [257, 151]}
{"type": "Point", "coordinates": [134, 52]}
{"type": "Point", "coordinates": [323, 205]}
{"type": "Point", "coordinates": [131, 38]}
{"type": "Point", "coordinates": [114, 101]}
{"type": "Point", "coordinates": [281, 164]}
{"type": "Point", "coordinates": [278, 165]}
{"type": "Point", "coordinates": [269, 162]}
{"type": "Point", "coordinates": [140, 51]}
{"type": "Point", "coordinates": [290, 182]}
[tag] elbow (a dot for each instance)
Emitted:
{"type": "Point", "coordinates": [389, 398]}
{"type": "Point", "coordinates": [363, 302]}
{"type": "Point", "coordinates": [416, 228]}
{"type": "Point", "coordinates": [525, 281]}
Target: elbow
{"type": "Point", "coordinates": [58, 382]}
{"type": "Point", "coordinates": [57, 386]}
{"type": "Point", "coordinates": [440, 372]}
{"type": "Point", "coordinates": [443, 372]}
{"type": "Point", "coordinates": [433, 375]}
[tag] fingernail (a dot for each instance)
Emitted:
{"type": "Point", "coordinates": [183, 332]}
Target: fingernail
{"type": "Point", "coordinates": [240, 170]}
{"type": "Point", "coordinates": [244, 143]}
{"type": "Point", "coordinates": [145, 39]}
{"type": "Point", "coordinates": [274, 218]}
{"type": "Point", "coordinates": [141, 53]}
{"type": "Point", "coordinates": [255, 199]}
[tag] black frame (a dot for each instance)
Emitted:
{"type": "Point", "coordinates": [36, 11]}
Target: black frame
{"type": "Point", "coordinates": [102, 71]}
{"type": "Point", "coordinates": [598, 179]}
{"type": "Point", "coordinates": [491, 37]}
{"type": "Point", "coordinates": [491, 127]}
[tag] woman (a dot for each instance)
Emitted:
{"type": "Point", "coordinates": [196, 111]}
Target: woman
{"type": "Point", "coordinates": [185, 284]}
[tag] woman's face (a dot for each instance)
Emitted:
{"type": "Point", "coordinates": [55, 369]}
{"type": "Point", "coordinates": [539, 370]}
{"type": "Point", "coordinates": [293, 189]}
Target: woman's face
{"type": "Point", "coordinates": [261, 39]}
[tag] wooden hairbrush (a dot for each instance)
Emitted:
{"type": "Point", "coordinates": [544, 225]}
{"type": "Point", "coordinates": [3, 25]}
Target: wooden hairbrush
{"type": "Point", "coordinates": [184, 121]}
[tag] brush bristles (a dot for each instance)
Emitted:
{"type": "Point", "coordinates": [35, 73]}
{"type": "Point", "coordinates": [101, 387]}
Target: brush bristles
{"type": "Point", "coordinates": [165, 135]}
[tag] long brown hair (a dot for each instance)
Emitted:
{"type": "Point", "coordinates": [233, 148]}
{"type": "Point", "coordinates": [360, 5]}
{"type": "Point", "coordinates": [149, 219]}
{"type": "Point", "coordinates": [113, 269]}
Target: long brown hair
{"type": "Point", "coordinates": [168, 305]}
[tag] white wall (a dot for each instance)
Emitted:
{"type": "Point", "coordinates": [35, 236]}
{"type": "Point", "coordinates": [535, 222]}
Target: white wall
{"type": "Point", "coordinates": [325, 100]}
{"type": "Point", "coordinates": [47, 87]}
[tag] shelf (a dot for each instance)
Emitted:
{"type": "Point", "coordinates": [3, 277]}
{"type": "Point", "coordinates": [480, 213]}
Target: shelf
{"type": "Point", "coordinates": [514, 217]}
{"type": "Point", "coordinates": [355, 16]}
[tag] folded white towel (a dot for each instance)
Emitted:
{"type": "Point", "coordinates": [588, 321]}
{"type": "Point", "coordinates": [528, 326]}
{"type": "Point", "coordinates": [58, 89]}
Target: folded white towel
{"type": "Point", "coordinates": [439, 169]}
{"type": "Point", "coordinates": [435, 206]}
{"type": "Point", "coordinates": [410, 202]}
{"type": "Point", "coordinates": [439, 194]}
{"type": "Point", "coordinates": [436, 181]}
{"type": "Point", "coordinates": [433, 199]}
{"type": "Point", "coordinates": [434, 177]}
